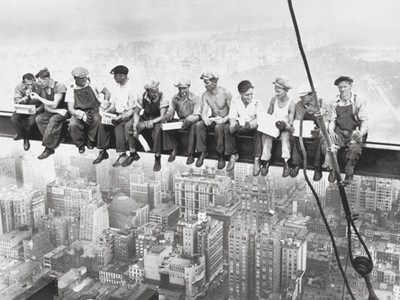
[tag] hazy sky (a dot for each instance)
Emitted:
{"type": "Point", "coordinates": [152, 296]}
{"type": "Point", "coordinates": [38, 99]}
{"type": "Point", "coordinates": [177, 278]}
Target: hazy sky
{"type": "Point", "coordinates": [57, 20]}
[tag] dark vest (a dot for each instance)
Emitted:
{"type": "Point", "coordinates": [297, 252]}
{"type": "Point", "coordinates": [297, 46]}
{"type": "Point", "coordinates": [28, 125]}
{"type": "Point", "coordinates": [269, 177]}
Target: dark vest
{"type": "Point", "coordinates": [85, 99]}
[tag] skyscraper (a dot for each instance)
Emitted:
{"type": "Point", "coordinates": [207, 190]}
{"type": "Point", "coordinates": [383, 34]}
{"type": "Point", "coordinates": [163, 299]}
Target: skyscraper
{"type": "Point", "coordinates": [94, 220]}
{"type": "Point", "coordinates": [38, 173]}
{"type": "Point", "coordinates": [7, 171]}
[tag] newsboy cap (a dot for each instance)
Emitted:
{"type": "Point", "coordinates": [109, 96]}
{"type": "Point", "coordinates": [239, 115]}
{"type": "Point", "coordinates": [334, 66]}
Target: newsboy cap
{"type": "Point", "coordinates": [80, 72]}
{"type": "Point", "coordinates": [209, 76]}
{"type": "Point", "coordinates": [343, 78]}
{"type": "Point", "coordinates": [120, 69]}
{"type": "Point", "coordinates": [152, 84]}
{"type": "Point", "coordinates": [182, 82]}
{"type": "Point", "coordinates": [282, 83]}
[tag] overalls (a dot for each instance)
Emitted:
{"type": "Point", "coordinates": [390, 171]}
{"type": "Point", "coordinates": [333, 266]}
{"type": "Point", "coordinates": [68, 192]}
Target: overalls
{"type": "Point", "coordinates": [85, 100]}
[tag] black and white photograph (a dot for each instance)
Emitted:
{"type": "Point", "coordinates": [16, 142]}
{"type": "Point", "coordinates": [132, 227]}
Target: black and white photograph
{"type": "Point", "coordinates": [200, 150]}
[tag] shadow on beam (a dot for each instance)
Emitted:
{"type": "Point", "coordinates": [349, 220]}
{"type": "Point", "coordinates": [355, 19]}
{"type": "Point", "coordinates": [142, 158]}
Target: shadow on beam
{"type": "Point", "coordinates": [377, 159]}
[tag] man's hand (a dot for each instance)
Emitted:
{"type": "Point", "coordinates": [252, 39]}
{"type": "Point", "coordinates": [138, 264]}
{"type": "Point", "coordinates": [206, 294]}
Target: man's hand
{"type": "Point", "coordinates": [186, 124]}
{"type": "Point", "coordinates": [139, 127]}
{"type": "Point", "coordinates": [356, 136]}
{"type": "Point", "coordinates": [88, 118]}
{"type": "Point", "coordinates": [333, 136]}
{"type": "Point", "coordinates": [123, 117]}
{"type": "Point", "coordinates": [281, 125]}
{"type": "Point", "coordinates": [34, 96]}
{"type": "Point", "coordinates": [62, 112]}
{"type": "Point", "coordinates": [233, 127]}
{"type": "Point", "coordinates": [149, 124]}
{"type": "Point", "coordinates": [117, 120]}
{"type": "Point", "coordinates": [218, 120]}
{"type": "Point", "coordinates": [207, 121]}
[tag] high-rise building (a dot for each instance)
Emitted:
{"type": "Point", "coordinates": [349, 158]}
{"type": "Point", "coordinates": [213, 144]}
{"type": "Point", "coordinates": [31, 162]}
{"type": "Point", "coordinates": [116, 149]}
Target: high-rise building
{"type": "Point", "coordinates": [20, 206]}
{"type": "Point", "coordinates": [93, 220]}
{"type": "Point", "coordinates": [379, 194]}
{"type": "Point", "coordinates": [67, 196]}
{"type": "Point", "coordinates": [59, 226]}
{"type": "Point", "coordinates": [256, 202]}
{"type": "Point", "coordinates": [293, 259]}
{"type": "Point", "coordinates": [12, 239]}
{"type": "Point", "coordinates": [165, 177]}
{"type": "Point", "coordinates": [210, 244]}
{"type": "Point", "coordinates": [165, 214]}
{"type": "Point", "coordinates": [103, 176]}
{"type": "Point", "coordinates": [242, 170]}
{"type": "Point", "coordinates": [38, 173]}
{"type": "Point", "coordinates": [85, 164]}
{"type": "Point", "coordinates": [7, 171]}
{"type": "Point", "coordinates": [145, 191]}
{"type": "Point", "coordinates": [195, 192]}
{"type": "Point", "coordinates": [37, 245]}
{"type": "Point", "coordinates": [124, 245]}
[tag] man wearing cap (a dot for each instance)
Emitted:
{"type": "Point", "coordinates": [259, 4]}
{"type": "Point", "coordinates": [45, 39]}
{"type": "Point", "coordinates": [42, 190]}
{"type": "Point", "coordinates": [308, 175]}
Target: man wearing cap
{"type": "Point", "coordinates": [188, 108]}
{"type": "Point", "coordinates": [50, 122]}
{"type": "Point", "coordinates": [23, 123]}
{"type": "Point", "coordinates": [154, 107]}
{"type": "Point", "coordinates": [243, 119]}
{"type": "Point", "coordinates": [83, 104]}
{"type": "Point", "coordinates": [122, 102]}
{"type": "Point", "coordinates": [218, 99]}
{"type": "Point", "coordinates": [348, 124]}
{"type": "Point", "coordinates": [282, 108]}
{"type": "Point", "coordinates": [306, 109]}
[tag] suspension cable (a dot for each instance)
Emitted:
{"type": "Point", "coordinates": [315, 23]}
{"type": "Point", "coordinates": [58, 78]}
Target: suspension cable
{"type": "Point", "coordinates": [361, 264]}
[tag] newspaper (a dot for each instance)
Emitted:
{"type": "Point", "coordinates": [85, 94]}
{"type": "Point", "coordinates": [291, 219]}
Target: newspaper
{"type": "Point", "coordinates": [266, 125]}
{"type": "Point", "coordinates": [25, 109]}
{"type": "Point", "coordinates": [106, 118]}
{"type": "Point", "coordinates": [172, 125]}
{"type": "Point", "coordinates": [308, 126]}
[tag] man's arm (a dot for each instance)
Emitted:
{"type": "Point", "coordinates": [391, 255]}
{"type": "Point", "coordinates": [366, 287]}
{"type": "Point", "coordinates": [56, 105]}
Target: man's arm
{"type": "Point", "coordinates": [363, 118]}
{"type": "Point", "coordinates": [171, 110]}
{"type": "Point", "coordinates": [107, 94]}
{"type": "Point", "coordinates": [292, 110]}
{"type": "Point", "coordinates": [19, 95]}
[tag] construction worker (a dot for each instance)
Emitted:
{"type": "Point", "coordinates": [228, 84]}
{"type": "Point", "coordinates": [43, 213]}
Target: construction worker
{"type": "Point", "coordinates": [50, 122]}
{"type": "Point", "coordinates": [23, 123]}
{"type": "Point", "coordinates": [348, 125]}
{"type": "Point", "coordinates": [188, 108]}
{"type": "Point", "coordinates": [218, 100]}
{"type": "Point", "coordinates": [83, 104]}
{"type": "Point", "coordinates": [154, 106]}
{"type": "Point", "coordinates": [122, 103]}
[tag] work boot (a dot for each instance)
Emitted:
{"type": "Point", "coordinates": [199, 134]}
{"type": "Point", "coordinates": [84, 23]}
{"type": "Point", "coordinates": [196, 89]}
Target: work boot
{"type": "Point", "coordinates": [157, 163]}
{"type": "Point", "coordinates": [200, 160]}
{"type": "Point", "coordinates": [286, 169]}
{"type": "Point", "coordinates": [190, 159]}
{"type": "Point", "coordinates": [130, 159]}
{"type": "Point", "coordinates": [265, 168]}
{"type": "Point", "coordinates": [81, 149]}
{"type": "Point", "coordinates": [102, 156]}
{"type": "Point", "coordinates": [16, 137]}
{"type": "Point", "coordinates": [120, 160]}
{"type": "Point", "coordinates": [295, 171]}
{"type": "Point", "coordinates": [231, 163]}
{"type": "Point", "coordinates": [221, 161]}
{"type": "Point", "coordinates": [257, 166]}
{"type": "Point", "coordinates": [46, 153]}
{"type": "Point", "coordinates": [317, 174]}
{"type": "Point", "coordinates": [332, 176]}
{"type": "Point", "coordinates": [27, 145]}
{"type": "Point", "coordinates": [90, 145]}
{"type": "Point", "coordinates": [172, 157]}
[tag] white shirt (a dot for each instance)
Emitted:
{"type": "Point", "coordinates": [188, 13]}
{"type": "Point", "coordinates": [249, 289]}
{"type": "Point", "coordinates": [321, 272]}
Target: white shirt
{"type": "Point", "coordinates": [123, 97]}
{"type": "Point", "coordinates": [240, 112]}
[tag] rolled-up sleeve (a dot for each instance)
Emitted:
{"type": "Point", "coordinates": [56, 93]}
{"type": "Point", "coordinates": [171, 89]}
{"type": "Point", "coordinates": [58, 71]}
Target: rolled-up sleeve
{"type": "Point", "coordinates": [132, 98]}
{"type": "Point", "coordinates": [362, 116]}
{"type": "Point", "coordinates": [19, 93]}
{"type": "Point", "coordinates": [164, 102]}
{"type": "Point", "coordinates": [332, 111]}
{"type": "Point", "coordinates": [197, 106]}
{"type": "Point", "coordinates": [233, 111]}
{"type": "Point", "coordinates": [171, 109]}
{"type": "Point", "coordinates": [139, 103]}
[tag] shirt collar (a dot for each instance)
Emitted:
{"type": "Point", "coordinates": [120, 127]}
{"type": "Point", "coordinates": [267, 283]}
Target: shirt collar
{"type": "Point", "coordinates": [148, 99]}
{"type": "Point", "coordinates": [190, 97]}
{"type": "Point", "coordinates": [338, 99]}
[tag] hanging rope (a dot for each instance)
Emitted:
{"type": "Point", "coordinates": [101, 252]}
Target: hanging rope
{"type": "Point", "coordinates": [361, 264]}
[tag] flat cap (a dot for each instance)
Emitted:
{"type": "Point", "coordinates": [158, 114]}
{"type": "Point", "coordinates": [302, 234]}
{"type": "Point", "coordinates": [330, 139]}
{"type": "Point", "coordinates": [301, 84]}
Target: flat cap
{"type": "Point", "coordinates": [282, 83]}
{"type": "Point", "coordinates": [80, 72]}
{"type": "Point", "coordinates": [304, 90]}
{"type": "Point", "coordinates": [120, 69]}
{"type": "Point", "coordinates": [209, 76]}
{"type": "Point", "coordinates": [182, 82]}
{"type": "Point", "coordinates": [343, 78]}
{"type": "Point", "coordinates": [152, 84]}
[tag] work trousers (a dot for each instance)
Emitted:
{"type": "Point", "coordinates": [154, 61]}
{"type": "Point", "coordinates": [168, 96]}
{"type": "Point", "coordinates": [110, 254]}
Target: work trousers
{"type": "Point", "coordinates": [297, 155]}
{"type": "Point", "coordinates": [152, 136]}
{"type": "Point", "coordinates": [267, 145]}
{"type": "Point", "coordinates": [225, 140]}
{"type": "Point", "coordinates": [121, 140]}
{"type": "Point", "coordinates": [50, 126]}
{"type": "Point", "coordinates": [82, 132]}
{"type": "Point", "coordinates": [170, 142]}
{"type": "Point", "coordinates": [23, 124]}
